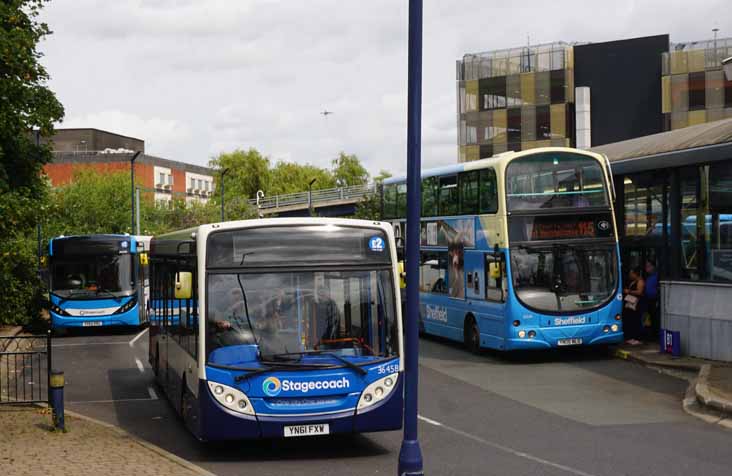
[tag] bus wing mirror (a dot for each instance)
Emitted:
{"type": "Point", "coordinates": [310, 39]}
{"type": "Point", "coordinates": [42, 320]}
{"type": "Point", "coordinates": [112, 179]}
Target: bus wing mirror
{"type": "Point", "coordinates": [183, 285]}
{"type": "Point", "coordinates": [494, 269]}
{"type": "Point", "coordinates": [496, 251]}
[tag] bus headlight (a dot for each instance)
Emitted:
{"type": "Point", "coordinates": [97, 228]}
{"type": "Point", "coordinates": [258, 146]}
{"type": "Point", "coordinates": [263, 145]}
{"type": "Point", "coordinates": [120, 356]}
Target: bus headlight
{"type": "Point", "coordinates": [127, 306]}
{"type": "Point", "coordinates": [376, 392]}
{"type": "Point", "coordinates": [233, 399]}
{"type": "Point", "coordinates": [58, 310]}
{"type": "Point", "coordinates": [614, 328]}
{"type": "Point", "coordinates": [606, 329]}
{"type": "Point", "coordinates": [522, 333]}
{"type": "Point", "coordinates": [532, 334]}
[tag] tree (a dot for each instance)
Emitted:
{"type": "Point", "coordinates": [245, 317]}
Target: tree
{"type": "Point", "coordinates": [348, 171]}
{"type": "Point", "coordinates": [289, 177]}
{"type": "Point", "coordinates": [383, 175]}
{"type": "Point", "coordinates": [26, 104]}
{"type": "Point", "coordinates": [248, 171]}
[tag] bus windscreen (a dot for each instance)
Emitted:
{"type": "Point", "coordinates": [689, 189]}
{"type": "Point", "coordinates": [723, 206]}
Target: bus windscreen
{"type": "Point", "coordinates": [555, 180]}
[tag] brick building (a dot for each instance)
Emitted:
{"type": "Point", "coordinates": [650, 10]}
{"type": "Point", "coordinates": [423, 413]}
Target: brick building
{"type": "Point", "coordinates": [108, 152]}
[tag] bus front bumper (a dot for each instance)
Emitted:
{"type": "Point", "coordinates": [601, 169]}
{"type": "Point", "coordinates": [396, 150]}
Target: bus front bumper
{"type": "Point", "coordinates": [566, 336]}
{"type": "Point", "coordinates": [129, 318]}
{"type": "Point", "coordinates": [218, 423]}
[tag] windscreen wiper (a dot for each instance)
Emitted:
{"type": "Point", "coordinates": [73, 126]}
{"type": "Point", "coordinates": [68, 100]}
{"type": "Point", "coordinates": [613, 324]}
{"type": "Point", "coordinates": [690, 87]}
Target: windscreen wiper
{"type": "Point", "coordinates": [110, 293]}
{"type": "Point", "coordinates": [339, 358]}
{"type": "Point", "coordinates": [72, 293]}
{"type": "Point", "coordinates": [246, 307]}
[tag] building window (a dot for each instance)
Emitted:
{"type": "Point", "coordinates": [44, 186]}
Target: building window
{"type": "Point", "coordinates": [728, 94]}
{"type": "Point", "coordinates": [170, 179]}
{"type": "Point", "coordinates": [401, 200]}
{"type": "Point", "coordinates": [205, 185]}
{"type": "Point", "coordinates": [557, 87]}
{"type": "Point", "coordinates": [193, 183]}
{"type": "Point", "coordinates": [643, 200]}
{"type": "Point", "coordinates": [514, 127]}
{"type": "Point", "coordinates": [543, 123]}
{"type": "Point", "coordinates": [493, 93]}
{"type": "Point", "coordinates": [161, 179]}
{"type": "Point", "coordinates": [390, 201]}
{"type": "Point", "coordinates": [696, 91]}
{"type": "Point", "coordinates": [719, 221]}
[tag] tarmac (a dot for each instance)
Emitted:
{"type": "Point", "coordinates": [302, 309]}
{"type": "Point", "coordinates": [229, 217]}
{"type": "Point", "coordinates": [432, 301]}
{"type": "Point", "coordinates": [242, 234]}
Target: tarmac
{"type": "Point", "coordinates": [709, 396]}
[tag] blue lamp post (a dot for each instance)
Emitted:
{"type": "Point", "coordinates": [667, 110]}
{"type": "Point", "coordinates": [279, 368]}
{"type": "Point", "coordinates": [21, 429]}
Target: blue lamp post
{"type": "Point", "coordinates": [410, 455]}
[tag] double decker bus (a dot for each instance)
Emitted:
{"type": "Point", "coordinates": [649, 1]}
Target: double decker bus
{"type": "Point", "coordinates": [518, 251]}
{"type": "Point", "coordinates": [278, 327]}
{"type": "Point", "coordinates": [98, 280]}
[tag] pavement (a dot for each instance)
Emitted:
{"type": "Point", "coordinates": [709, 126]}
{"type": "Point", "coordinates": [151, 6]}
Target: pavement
{"type": "Point", "coordinates": [709, 395]}
{"type": "Point", "coordinates": [29, 446]}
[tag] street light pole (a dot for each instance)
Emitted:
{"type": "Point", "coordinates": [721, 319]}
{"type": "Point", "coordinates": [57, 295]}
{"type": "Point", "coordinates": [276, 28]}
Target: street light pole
{"type": "Point", "coordinates": [410, 455]}
{"type": "Point", "coordinates": [310, 196]}
{"type": "Point", "coordinates": [223, 173]}
{"type": "Point", "coordinates": [132, 189]}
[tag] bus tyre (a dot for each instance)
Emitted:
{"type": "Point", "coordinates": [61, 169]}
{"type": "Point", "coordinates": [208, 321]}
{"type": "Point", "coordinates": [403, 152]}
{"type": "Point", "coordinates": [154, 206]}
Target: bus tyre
{"type": "Point", "coordinates": [471, 335]}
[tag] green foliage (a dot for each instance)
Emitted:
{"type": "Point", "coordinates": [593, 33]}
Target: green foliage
{"type": "Point", "coordinates": [100, 203]}
{"type": "Point", "coordinates": [347, 171]}
{"type": "Point", "coordinates": [247, 172]}
{"type": "Point", "coordinates": [289, 177]}
{"type": "Point", "coordinates": [250, 171]}
{"type": "Point", "coordinates": [91, 203]}
{"type": "Point", "coordinates": [26, 103]}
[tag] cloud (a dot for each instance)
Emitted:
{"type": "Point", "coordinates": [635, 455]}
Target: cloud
{"type": "Point", "coordinates": [160, 134]}
{"type": "Point", "coordinates": [196, 78]}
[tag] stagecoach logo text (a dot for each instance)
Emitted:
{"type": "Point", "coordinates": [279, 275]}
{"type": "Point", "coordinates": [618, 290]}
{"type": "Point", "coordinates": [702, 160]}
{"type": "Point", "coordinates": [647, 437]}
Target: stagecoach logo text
{"type": "Point", "coordinates": [272, 386]}
{"type": "Point", "coordinates": [436, 313]}
{"type": "Point", "coordinates": [570, 321]}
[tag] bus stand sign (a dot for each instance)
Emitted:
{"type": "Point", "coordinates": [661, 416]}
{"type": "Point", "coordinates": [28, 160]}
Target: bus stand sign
{"type": "Point", "coordinates": [670, 342]}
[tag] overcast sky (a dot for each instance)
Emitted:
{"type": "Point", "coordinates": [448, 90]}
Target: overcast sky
{"type": "Point", "coordinates": [194, 78]}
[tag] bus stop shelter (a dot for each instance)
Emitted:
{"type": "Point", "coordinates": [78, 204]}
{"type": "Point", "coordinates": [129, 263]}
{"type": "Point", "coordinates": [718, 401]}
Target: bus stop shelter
{"type": "Point", "coordinates": [674, 207]}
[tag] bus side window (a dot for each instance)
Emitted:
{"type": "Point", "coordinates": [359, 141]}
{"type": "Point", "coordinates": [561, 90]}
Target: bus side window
{"type": "Point", "coordinates": [495, 273]}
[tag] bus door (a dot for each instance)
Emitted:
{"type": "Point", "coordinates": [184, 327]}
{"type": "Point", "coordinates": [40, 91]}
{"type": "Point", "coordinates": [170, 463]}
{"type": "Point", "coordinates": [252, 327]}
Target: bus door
{"type": "Point", "coordinates": [494, 318]}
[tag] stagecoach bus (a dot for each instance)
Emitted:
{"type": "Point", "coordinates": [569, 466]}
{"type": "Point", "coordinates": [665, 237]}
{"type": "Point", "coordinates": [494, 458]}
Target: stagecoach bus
{"type": "Point", "coordinates": [518, 251]}
{"type": "Point", "coordinates": [98, 280]}
{"type": "Point", "coordinates": [278, 327]}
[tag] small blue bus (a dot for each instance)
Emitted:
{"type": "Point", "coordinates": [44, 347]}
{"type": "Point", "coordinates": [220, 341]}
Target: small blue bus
{"type": "Point", "coordinates": [518, 251]}
{"type": "Point", "coordinates": [98, 280]}
{"type": "Point", "coordinates": [278, 328]}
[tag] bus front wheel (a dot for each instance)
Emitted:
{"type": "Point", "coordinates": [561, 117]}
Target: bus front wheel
{"type": "Point", "coordinates": [471, 334]}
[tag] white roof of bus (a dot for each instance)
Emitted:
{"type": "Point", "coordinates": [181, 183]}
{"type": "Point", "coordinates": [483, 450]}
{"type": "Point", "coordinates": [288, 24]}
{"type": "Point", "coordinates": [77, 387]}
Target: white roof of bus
{"type": "Point", "coordinates": [498, 161]}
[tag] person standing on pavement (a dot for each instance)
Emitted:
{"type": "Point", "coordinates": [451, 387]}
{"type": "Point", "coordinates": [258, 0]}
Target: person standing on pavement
{"type": "Point", "coordinates": [651, 294]}
{"type": "Point", "coordinates": [633, 306]}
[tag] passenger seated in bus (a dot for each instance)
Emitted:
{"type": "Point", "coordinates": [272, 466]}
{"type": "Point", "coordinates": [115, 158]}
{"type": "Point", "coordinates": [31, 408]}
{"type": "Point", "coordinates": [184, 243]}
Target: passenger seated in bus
{"type": "Point", "coordinates": [327, 315]}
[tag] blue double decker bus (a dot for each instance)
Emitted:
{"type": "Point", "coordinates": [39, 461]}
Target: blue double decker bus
{"type": "Point", "coordinates": [98, 280]}
{"type": "Point", "coordinates": [278, 328]}
{"type": "Point", "coordinates": [518, 251]}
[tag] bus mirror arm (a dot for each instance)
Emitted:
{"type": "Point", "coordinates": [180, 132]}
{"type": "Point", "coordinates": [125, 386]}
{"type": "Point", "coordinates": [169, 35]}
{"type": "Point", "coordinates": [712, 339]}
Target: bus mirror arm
{"type": "Point", "coordinates": [496, 251]}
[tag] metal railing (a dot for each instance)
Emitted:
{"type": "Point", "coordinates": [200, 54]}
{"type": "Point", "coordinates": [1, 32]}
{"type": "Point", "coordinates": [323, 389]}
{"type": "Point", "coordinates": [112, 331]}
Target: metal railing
{"type": "Point", "coordinates": [25, 363]}
{"type": "Point", "coordinates": [325, 195]}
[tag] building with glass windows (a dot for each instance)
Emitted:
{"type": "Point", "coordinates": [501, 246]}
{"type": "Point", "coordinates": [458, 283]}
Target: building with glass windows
{"type": "Point", "coordinates": [694, 87]}
{"type": "Point", "coordinates": [583, 95]}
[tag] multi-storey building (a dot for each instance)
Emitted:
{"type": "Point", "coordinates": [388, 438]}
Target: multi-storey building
{"type": "Point", "coordinates": [167, 179]}
{"type": "Point", "coordinates": [583, 95]}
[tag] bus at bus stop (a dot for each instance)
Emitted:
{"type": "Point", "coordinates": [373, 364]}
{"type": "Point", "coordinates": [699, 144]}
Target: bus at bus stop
{"type": "Point", "coordinates": [279, 327]}
{"type": "Point", "coordinates": [518, 251]}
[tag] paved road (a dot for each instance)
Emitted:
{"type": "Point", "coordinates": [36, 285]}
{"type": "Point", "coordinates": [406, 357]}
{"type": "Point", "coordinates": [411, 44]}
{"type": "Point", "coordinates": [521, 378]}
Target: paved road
{"type": "Point", "coordinates": [570, 413]}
